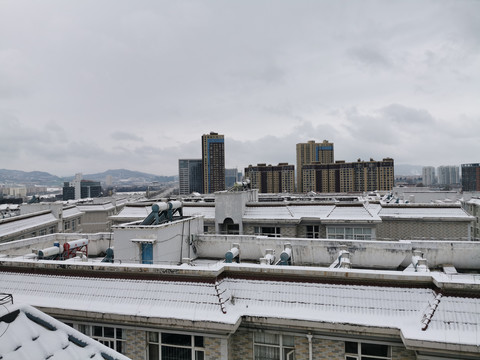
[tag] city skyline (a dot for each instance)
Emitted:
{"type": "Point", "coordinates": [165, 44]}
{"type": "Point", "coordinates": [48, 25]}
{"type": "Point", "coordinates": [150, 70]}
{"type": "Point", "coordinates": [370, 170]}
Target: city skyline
{"type": "Point", "coordinates": [110, 85]}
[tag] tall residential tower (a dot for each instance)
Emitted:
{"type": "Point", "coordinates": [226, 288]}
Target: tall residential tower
{"type": "Point", "coordinates": [213, 162]}
{"type": "Point", "coordinates": [190, 176]}
{"type": "Point", "coordinates": [310, 152]}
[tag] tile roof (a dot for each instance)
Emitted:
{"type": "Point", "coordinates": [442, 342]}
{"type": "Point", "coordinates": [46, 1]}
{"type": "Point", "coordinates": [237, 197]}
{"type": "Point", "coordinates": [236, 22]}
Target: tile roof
{"type": "Point", "coordinates": [207, 211]}
{"type": "Point", "coordinates": [15, 226]}
{"type": "Point", "coordinates": [424, 213]}
{"type": "Point", "coordinates": [29, 334]}
{"type": "Point", "coordinates": [456, 318]}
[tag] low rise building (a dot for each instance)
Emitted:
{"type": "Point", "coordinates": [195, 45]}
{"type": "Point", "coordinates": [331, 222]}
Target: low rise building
{"type": "Point", "coordinates": [235, 297]}
{"type": "Point", "coordinates": [329, 218]}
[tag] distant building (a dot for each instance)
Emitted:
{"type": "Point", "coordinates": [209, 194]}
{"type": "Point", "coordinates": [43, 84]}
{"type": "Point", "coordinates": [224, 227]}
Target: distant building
{"type": "Point", "coordinates": [428, 175]}
{"type": "Point", "coordinates": [310, 152]}
{"type": "Point", "coordinates": [471, 177]}
{"type": "Point", "coordinates": [81, 189]}
{"type": "Point", "coordinates": [231, 177]}
{"type": "Point", "coordinates": [109, 180]}
{"type": "Point", "coordinates": [271, 179]}
{"type": "Point", "coordinates": [190, 176]}
{"type": "Point", "coordinates": [213, 162]}
{"type": "Point", "coordinates": [357, 176]}
{"type": "Point", "coordinates": [448, 175]}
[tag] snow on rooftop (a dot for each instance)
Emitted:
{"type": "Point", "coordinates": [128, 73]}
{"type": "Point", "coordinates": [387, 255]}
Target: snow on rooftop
{"type": "Point", "coordinates": [456, 319]}
{"type": "Point", "coordinates": [207, 211]}
{"type": "Point", "coordinates": [30, 334]}
{"type": "Point", "coordinates": [131, 212]}
{"type": "Point", "coordinates": [72, 212]}
{"type": "Point", "coordinates": [268, 212]}
{"type": "Point", "coordinates": [27, 224]}
{"type": "Point", "coordinates": [424, 212]}
{"type": "Point", "coordinates": [359, 213]}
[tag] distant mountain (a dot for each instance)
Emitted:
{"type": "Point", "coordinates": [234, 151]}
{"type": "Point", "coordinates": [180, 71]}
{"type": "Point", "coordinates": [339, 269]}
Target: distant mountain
{"type": "Point", "coordinates": [18, 177]}
{"type": "Point", "coordinates": [127, 176]}
{"type": "Point", "coordinates": [119, 176]}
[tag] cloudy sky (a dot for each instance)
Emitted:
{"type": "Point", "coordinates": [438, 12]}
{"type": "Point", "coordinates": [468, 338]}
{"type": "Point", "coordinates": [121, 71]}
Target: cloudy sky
{"type": "Point", "coordinates": [87, 86]}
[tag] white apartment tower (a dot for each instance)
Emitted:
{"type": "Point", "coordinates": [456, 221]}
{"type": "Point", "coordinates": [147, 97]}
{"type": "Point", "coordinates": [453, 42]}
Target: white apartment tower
{"type": "Point", "coordinates": [428, 175]}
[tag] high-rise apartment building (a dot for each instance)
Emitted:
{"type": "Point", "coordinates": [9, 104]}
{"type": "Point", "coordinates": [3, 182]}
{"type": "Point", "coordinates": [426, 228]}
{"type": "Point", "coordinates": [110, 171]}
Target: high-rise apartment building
{"type": "Point", "coordinates": [190, 176]}
{"type": "Point", "coordinates": [310, 152]}
{"type": "Point", "coordinates": [448, 175]}
{"type": "Point", "coordinates": [357, 176]}
{"type": "Point", "coordinates": [428, 175]}
{"type": "Point", "coordinates": [231, 177]}
{"type": "Point", "coordinates": [81, 189]}
{"type": "Point", "coordinates": [271, 179]}
{"type": "Point", "coordinates": [213, 162]}
{"type": "Point", "coordinates": [471, 177]}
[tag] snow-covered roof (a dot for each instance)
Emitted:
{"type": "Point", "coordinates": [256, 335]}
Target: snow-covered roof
{"type": "Point", "coordinates": [474, 201]}
{"type": "Point", "coordinates": [428, 212]}
{"type": "Point", "coordinates": [133, 212]}
{"type": "Point", "coordinates": [28, 333]}
{"type": "Point", "coordinates": [71, 212]}
{"type": "Point", "coordinates": [455, 319]}
{"type": "Point", "coordinates": [351, 213]}
{"type": "Point", "coordinates": [96, 207]}
{"type": "Point", "coordinates": [28, 223]}
{"type": "Point", "coordinates": [322, 212]}
{"type": "Point", "coordinates": [207, 211]}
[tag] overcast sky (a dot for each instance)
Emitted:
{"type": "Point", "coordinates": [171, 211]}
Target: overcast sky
{"type": "Point", "coordinates": [87, 86]}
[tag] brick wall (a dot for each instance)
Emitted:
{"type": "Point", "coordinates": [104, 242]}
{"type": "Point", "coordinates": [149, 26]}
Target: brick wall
{"type": "Point", "coordinates": [328, 349]}
{"type": "Point", "coordinates": [400, 353]}
{"type": "Point", "coordinates": [241, 345]}
{"type": "Point", "coordinates": [397, 230]}
{"type": "Point", "coordinates": [136, 344]}
{"type": "Point", "coordinates": [213, 348]}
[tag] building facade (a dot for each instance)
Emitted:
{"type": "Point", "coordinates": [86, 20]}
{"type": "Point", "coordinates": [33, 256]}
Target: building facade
{"type": "Point", "coordinates": [448, 175]}
{"type": "Point", "coordinates": [190, 176]}
{"type": "Point", "coordinates": [310, 152]}
{"type": "Point", "coordinates": [471, 177]}
{"type": "Point", "coordinates": [81, 189]}
{"type": "Point", "coordinates": [231, 177]}
{"type": "Point", "coordinates": [357, 176]}
{"type": "Point", "coordinates": [428, 175]}
{"type": "Point", "coordinates": [271, 179]}
{"type": "Point", "coordinates": [213, 162]}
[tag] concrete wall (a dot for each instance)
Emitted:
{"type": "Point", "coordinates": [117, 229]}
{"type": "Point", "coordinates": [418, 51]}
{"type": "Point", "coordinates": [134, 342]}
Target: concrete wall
{"type": "Point", "coordinates": [98, 243]}
{"type": "Point", "coordinates": [364, 254]}
{"type": "Point", "coordinates": [169, 245]}
{"type": "Point", "coordinates": [232, 205]}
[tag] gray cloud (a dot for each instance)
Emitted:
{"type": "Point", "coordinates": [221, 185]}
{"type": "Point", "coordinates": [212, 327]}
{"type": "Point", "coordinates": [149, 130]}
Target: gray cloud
{"type": "Point", "coordinates": [138, 84]}
{"type": "Point", "coordinates": [124, 136]}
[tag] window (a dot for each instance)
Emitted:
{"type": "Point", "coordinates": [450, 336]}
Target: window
{"type": "Point", "coordinates": [267, 231]}
{"type": "Point", "coordinates": [367, 351]}
{"type": "Point", "coordinates": [74, 225]}
{"type": "Point", "coordinates": [113, 337]}
{"type": "Point", "coordinates": [349, 233]}
{"type": "Point", "coordinates": [313, 231]}
{"type": "Point", "coordinates": [167, 346]}
{"type": "Point", "coordinates": [205, 229]}
{"type": "Point", "coordinates": [67, 225]}
{"type": "Point", "coordinates": [269, 346]}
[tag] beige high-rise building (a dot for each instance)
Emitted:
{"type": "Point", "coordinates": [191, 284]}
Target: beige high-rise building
{"type": "Point", "coordinates": [213, 162]}
{"type": "Point", "coordinates": [312, 152]}
{"type": "Point", "coordinates": [271, 179]}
